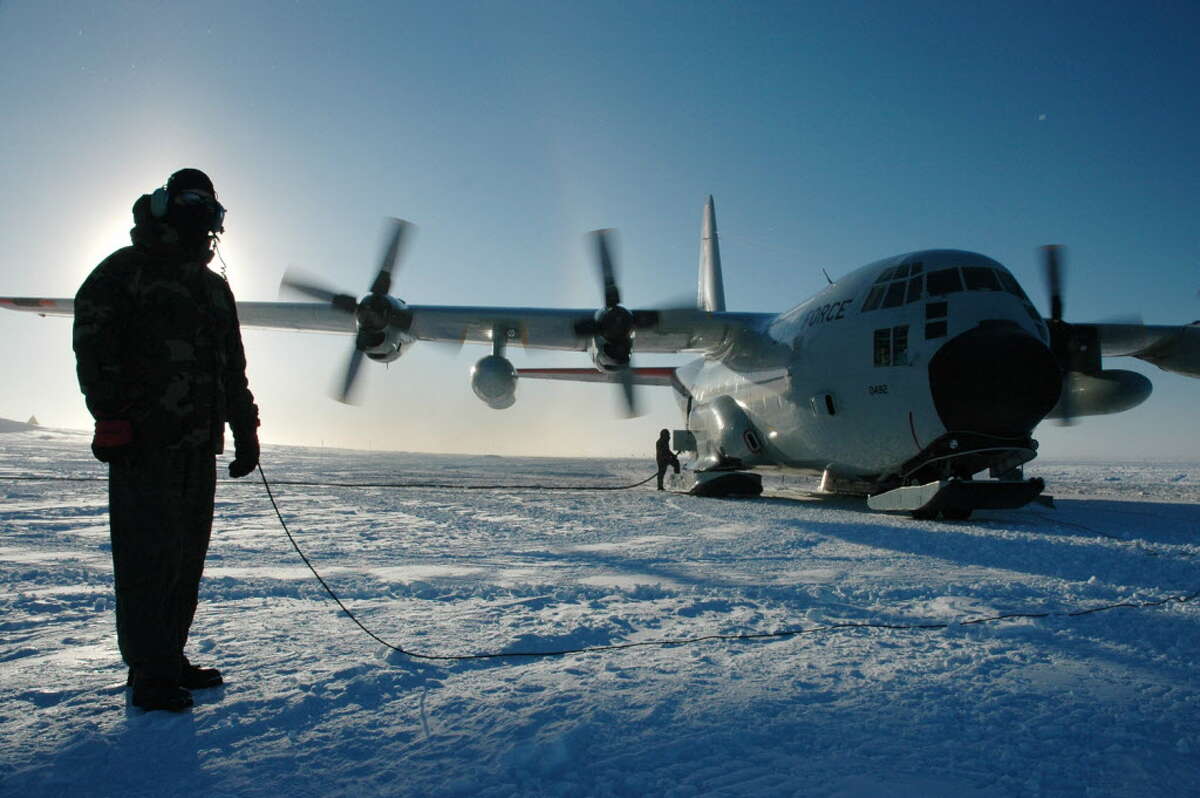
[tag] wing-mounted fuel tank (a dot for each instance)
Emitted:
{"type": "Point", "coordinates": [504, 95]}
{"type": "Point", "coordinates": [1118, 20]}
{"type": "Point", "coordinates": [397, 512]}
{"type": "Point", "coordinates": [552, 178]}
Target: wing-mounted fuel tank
{"type": "Point", "coordinates": [494, 380]}
{"type": "Point", "coordinates": [725, 436]}
{"type": "Point", "coordinates": [1103, 392]}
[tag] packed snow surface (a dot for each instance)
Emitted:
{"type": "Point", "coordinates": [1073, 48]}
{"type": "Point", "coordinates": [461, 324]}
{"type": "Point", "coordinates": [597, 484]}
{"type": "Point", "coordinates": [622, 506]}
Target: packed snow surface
{"type": "Point", "coordinates": [1100, 704]}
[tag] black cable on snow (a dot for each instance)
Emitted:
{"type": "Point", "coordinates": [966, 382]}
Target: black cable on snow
{"type": "Point", "coordinates": [309, 484]}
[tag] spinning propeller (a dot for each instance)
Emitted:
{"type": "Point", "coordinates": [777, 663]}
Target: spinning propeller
{"type": "Point", "coordinates": [1076, 347]}
{"type": "Point", "coordinates": [373, 313]}
{"type": "Point", "coordinates": [613, 326]}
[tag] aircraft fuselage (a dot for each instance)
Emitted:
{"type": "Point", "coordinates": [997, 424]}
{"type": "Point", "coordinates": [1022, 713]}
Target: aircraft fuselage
{"type": "Point", "coordinates": [866, 376]}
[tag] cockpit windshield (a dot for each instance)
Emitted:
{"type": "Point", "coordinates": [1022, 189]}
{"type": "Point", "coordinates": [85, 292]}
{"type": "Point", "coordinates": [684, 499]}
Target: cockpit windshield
{"type": "Point", "coordinates": [909, 282]}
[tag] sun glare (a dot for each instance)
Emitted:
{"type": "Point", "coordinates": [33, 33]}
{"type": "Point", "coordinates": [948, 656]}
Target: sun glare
{"type": "Point", "coordinates": [101, 240]}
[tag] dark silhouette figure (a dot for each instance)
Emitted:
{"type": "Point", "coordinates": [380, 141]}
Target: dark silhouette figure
{"type": "Point", "coordinates": [160, 362]}
{"type": "Point", "coordinates": [664, 456]}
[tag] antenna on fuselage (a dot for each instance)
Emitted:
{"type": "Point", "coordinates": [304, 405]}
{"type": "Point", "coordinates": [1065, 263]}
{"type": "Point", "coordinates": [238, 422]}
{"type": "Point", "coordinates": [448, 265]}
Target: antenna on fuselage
{"type": "Point", "coordinates": [827, 277]}
{"type": "Point", "coordinates": [711, 293]}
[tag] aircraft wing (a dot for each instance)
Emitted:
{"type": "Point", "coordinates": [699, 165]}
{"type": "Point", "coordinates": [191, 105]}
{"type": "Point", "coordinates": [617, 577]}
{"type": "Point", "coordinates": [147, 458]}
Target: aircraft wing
{"type": "Point", "coordinates": [1170, 347]}
{"type": "Point", "coordinates": [676, 330]}
{"type": "Point", "coordinates": [684, 330]}
{"type": "Point", "coordinates": [42, 307]}
{"type": "Point", "coordinates": [314, 316]}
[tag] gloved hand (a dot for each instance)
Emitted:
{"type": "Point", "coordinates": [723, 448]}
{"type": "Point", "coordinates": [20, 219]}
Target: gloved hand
{"type": "Point", "coordinates": [245, 452]}
{"type": "Point", "coordinates": [113, 440]}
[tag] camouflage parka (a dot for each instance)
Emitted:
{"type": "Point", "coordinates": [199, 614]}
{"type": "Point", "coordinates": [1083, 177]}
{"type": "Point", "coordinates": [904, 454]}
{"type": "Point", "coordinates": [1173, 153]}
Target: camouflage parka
{"type": "Point", "coordinates": [157, 343]}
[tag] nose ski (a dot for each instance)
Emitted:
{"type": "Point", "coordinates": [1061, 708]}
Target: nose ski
{"type": "Point", "coordinates": [955, 499]}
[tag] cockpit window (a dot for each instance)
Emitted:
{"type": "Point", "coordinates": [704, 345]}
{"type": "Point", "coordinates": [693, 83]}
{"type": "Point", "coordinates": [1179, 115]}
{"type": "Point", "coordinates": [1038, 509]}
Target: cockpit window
{"type": "Point", "coordinates": [909, 282]}
{"type": "Point", "coordinates": [873, 297]}
{"type": "Point", "coordinates": [895, 294]}
{"type": "Point", "coordinates": [915, 285]}
{"type": "Point", "coordinates": [895, 286]}
{"type": "Point", "coordinates": [980, 278]}
{"type": "Point", "coordinates": [1011, 285]}
{"type": "Point", "coordinates": [944, 281]}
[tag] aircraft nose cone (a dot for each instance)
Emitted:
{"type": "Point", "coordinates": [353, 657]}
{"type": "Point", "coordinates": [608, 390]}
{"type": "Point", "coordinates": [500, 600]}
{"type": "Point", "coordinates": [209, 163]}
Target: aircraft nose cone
{"type": "Point", "coordinates": [996, 379]}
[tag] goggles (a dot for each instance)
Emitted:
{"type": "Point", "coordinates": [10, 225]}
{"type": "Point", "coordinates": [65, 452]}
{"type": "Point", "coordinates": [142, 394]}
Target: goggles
{"type": "Point", "coordinates": [192, 200]}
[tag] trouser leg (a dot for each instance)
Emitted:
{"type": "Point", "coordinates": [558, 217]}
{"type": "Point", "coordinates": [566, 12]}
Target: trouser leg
{"type": "Point", "coordinates": [198, 493]}
{"type": "Point", "coordinates": [159, 528]}
{"type": "Point", "coordinates": [662, 469]}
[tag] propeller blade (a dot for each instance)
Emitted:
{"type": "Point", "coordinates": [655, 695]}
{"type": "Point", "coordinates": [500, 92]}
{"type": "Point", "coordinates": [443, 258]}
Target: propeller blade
{"type": "Point", "coordinates": [628, 392]}
{"type": "Point", "coordinates": [1060, 331]}
{"type": "Point", "coordinates": [397, 228]}
{"type": "Point", "coordinates": [1066, 401]}
{"type": "Point", "coordinates": [1052, 264]}
{"type": "Point", "coordinates": [612, 294]}
{"type": "Point", "coordinates": [295, 283]}
{"type": "Point", "coordinates": [345, 394]}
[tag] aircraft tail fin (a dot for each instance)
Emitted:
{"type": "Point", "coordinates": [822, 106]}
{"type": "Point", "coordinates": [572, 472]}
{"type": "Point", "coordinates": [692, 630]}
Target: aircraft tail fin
{"type": "Point", "coordinates": [711, 293]}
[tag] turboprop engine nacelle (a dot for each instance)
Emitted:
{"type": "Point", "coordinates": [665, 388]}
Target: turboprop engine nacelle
{"type": "Point", "coordinates": [494, 380]}
{"type": "Point", "coordinates": [609, 355]}
{"type": "Point", "coordinates": [390, 345]}
{"type": "Point", "coordinates": [1109, 391]}
{"type": "Point", "coordinates": [382, 320]}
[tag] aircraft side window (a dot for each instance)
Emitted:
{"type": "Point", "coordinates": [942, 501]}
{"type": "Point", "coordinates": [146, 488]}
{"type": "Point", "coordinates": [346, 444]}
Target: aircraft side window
{"type": "Point", "coordinates": [943, 281]}
{"type": "Point", "coordinates": [936, 310]}
{"type": "Point", "coordinates": [900, 346]}
{"type": "Point", "coordinates": [980, 278]}
{"type": "Point", "coordinates": [895, 294]}
{"type": "Point", "coordinates": [883, 347]}
{"type": "Point", "coordinates": [891, 346]}
{"type": "Point", "coordinates": [873, 298]}
{"type": "Point", "coordinates": [915, 285]}
{"type": "Point", "coordinates": [935, 329]}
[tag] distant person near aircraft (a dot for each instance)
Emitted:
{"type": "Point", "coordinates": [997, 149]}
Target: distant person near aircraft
{"type": "Point", "coordinates": [160, 362]}
{"type": "Point", "coordinates": [664, 456]}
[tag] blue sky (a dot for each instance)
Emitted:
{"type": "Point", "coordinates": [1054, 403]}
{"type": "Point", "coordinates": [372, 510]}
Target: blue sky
{"type": "Point", "coordinates": [831, 135]}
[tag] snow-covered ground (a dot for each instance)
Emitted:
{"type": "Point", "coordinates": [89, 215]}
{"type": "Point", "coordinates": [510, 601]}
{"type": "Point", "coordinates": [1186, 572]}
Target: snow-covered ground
{"type": "Point", "coordinates": [1103, 704]}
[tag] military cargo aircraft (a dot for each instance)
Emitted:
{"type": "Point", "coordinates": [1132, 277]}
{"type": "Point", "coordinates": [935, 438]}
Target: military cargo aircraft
{"type": "Point", "coordinates": [904, 381]}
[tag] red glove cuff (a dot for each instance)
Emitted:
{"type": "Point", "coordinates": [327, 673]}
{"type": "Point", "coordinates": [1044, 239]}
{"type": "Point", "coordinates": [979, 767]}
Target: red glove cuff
{"type": "Point", "coordinates": [111, 434]}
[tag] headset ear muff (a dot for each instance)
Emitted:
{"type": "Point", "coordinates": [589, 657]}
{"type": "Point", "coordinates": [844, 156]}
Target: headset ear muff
{"type": "Point", "coordinates": [158, 203]}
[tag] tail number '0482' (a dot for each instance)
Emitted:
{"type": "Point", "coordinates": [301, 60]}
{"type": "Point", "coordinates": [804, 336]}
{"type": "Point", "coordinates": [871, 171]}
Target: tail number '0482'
{"type": "Point", "coordinates": [876, 390]}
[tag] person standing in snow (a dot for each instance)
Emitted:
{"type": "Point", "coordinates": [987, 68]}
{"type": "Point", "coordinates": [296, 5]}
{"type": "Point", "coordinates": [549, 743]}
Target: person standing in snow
{"type": "Point", "coordinates": [160, 362]}
{"type": "Point", "coordinates": [664, 456]}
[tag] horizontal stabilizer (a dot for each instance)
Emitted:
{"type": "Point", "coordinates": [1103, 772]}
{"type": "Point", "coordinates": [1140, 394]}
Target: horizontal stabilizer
{"type": "Point", "coordinates": [654, 375]}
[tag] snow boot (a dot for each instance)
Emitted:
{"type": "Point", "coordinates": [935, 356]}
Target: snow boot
{"type": "Point", "coordinates": [153, 694]}
{"type": "Point", "coordinates": [194, 677]}
{"type": "Point", "coordinates": [191, 677]}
